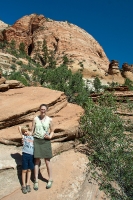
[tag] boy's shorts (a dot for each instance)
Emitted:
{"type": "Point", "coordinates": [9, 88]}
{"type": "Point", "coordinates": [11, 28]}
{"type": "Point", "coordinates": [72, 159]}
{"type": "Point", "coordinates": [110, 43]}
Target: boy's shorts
{"type": "Point", "coordinates": [27, 161]}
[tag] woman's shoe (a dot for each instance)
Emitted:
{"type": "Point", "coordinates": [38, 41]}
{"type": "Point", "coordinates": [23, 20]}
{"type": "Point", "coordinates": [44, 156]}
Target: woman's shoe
{"type": "Point", "coordinates": [49, 184]}
{"type": "Point", "coordinates": [35, 186]}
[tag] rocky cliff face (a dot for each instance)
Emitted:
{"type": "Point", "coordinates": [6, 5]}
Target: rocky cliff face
{"type": "Point", "coordinates": [64, 39]}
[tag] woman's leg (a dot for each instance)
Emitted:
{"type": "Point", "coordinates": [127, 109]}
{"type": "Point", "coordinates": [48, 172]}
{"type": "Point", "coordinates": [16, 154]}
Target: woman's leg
{"type": "Point", "coordinates": [28, 176]}
{"type": "Point", "coordinates": [36, 169]}
{"type": "Point", "coordinates": [49, 168]}
{"type": "Point", "coordinates": [24, 178]}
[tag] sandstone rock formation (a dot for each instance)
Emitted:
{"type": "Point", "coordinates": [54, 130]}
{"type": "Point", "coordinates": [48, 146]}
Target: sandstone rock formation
{"type": "Point", "coordinates": [127, 71]}
{"type": "Point", "coordinates": [70, 181]}
{"type": "Point", "coordinates": [9, 84]}
{"type": "Point", "coordinates": [64, 39]}
{"type": "Point", "coordinates": [114, 73]}
{"type": "Point", "coordinates": [114, 67]}
{"type": "Point", "coordinates": [21, 105]}
{"type": "Point", "coordinates": [3, 25]}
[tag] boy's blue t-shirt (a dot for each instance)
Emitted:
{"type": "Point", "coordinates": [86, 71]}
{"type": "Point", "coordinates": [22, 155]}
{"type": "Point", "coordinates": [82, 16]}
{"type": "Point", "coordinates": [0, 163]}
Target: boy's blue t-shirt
{"type": "Point", "coordinates": [28, 144]}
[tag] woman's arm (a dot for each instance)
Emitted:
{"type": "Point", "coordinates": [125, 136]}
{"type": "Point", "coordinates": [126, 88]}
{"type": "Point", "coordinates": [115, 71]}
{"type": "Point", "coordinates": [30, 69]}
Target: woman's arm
{"type": "Point", "coordinates": [33, 127]}
{"type": "Point", "coordinates": [51, 131]}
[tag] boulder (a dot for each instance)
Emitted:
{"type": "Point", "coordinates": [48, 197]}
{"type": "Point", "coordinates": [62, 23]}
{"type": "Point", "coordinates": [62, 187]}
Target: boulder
{"type": "Point", "coordinates": [127, 71]}
{"type": "Point", "coordinates": [2, 80]}
{"type": "Point", "coordinates": [14, 84]}
{"type": "Point", "coordinates": [114, 73]}
{"type": "Point", "coordinates": [4, 87]}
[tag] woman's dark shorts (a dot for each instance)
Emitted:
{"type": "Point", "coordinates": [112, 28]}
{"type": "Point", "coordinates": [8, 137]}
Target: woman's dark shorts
{"type": "Point", "coordinates": [27, 161]}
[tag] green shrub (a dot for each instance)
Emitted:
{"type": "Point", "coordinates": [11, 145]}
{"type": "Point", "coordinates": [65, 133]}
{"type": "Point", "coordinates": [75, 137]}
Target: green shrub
{"type": "Point", "coordinates": [13, 67]}
{"type": "Point", "coordinates": [19, 77]}
{"type": "Point", "coordinates": [19, 62]}
{"type": "Point", "coordinates": [97, 84]}
{"type": "Point", "coordinates": [62, 79]}
{"type": "Point", "coordinates": [111, 157]}
{"type": "Point", "coordinates": [129, 84]}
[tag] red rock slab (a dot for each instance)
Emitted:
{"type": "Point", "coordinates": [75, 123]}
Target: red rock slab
{"type": "Point", "coordinates": [18, 102]}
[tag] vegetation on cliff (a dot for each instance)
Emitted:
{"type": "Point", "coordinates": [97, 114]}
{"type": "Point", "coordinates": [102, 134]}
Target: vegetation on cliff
{"type": "Point", "coordinates": [110, 149]}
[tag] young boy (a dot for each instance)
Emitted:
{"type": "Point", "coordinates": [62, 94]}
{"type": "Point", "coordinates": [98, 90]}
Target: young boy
{"type": "Point", "coordinates": [27, 157]}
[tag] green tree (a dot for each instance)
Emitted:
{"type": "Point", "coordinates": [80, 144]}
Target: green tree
{"type": "Point", "coordinates": [111, 157]}
{"type": "Point", "coordinates": [22, 48]}
{"type": "Point", "coordinates": [129, 84]}
{"type": "Point", "coordinates": [45, 52]}
{"type": "Point", "coordinates": [97, 84]}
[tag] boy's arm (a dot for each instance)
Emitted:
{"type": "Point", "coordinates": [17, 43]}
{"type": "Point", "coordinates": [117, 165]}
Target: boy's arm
{"type": "Point", "coordinates": [19, 128]}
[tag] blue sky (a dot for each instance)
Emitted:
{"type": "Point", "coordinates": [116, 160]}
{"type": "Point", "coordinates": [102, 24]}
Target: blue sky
{"type": "Point", "coordinates": [110, 22]}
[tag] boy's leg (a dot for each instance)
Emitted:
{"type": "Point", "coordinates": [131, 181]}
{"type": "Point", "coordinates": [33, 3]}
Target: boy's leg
{"type": "Point", "coordinates": [24, 190]}
{"type": "Point", "coordinates": [24, 178]}
{"type": "Point", "coordinates": [28, 180]}
{"type": "Point", "coordinates": [28, 176]}
{"type": "Point", "coordinates": [24, 168]}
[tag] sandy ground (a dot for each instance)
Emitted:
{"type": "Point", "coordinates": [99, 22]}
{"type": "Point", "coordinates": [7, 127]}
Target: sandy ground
{"type": "Point", "coordinates": [69, 173]}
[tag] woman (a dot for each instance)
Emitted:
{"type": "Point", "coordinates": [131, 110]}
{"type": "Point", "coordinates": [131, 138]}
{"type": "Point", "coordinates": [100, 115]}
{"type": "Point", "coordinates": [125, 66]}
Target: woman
{"type": "Point", "coordinates": [42, 130]}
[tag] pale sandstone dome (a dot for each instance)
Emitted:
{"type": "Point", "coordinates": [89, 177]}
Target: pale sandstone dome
{"type": "Point", "coordinates": [3, 25]}
{"type": "Point", "coordinates": [64, 39]}
{"type": "Point", "coordinates": [67, 39]}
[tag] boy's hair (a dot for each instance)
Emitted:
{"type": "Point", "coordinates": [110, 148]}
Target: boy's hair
{"type": "Point", "coordinates": [25, 128]}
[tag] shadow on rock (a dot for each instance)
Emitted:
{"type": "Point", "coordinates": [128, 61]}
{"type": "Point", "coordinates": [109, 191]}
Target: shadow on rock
{"type": "Point", "coordinates": [18, 159]}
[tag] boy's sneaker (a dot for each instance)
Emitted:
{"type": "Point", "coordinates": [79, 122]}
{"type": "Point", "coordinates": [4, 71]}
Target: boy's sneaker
{"type": "Point", "coordinates": [24, 190]}
{"type": "Point", "coordinates": [35, 185]}
{"type": "Point", "coordinates": [28, 188]}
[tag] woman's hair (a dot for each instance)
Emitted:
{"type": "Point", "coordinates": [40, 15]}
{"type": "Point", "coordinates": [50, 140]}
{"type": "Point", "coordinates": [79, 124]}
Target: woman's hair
{"type": "Point", "coordinates": [25, 128]}
{"type": "Point", "coordinates": [43, 105]}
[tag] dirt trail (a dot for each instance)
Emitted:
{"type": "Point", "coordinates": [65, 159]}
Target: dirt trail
{"type": "Point", "coordinates": [68, 174]}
